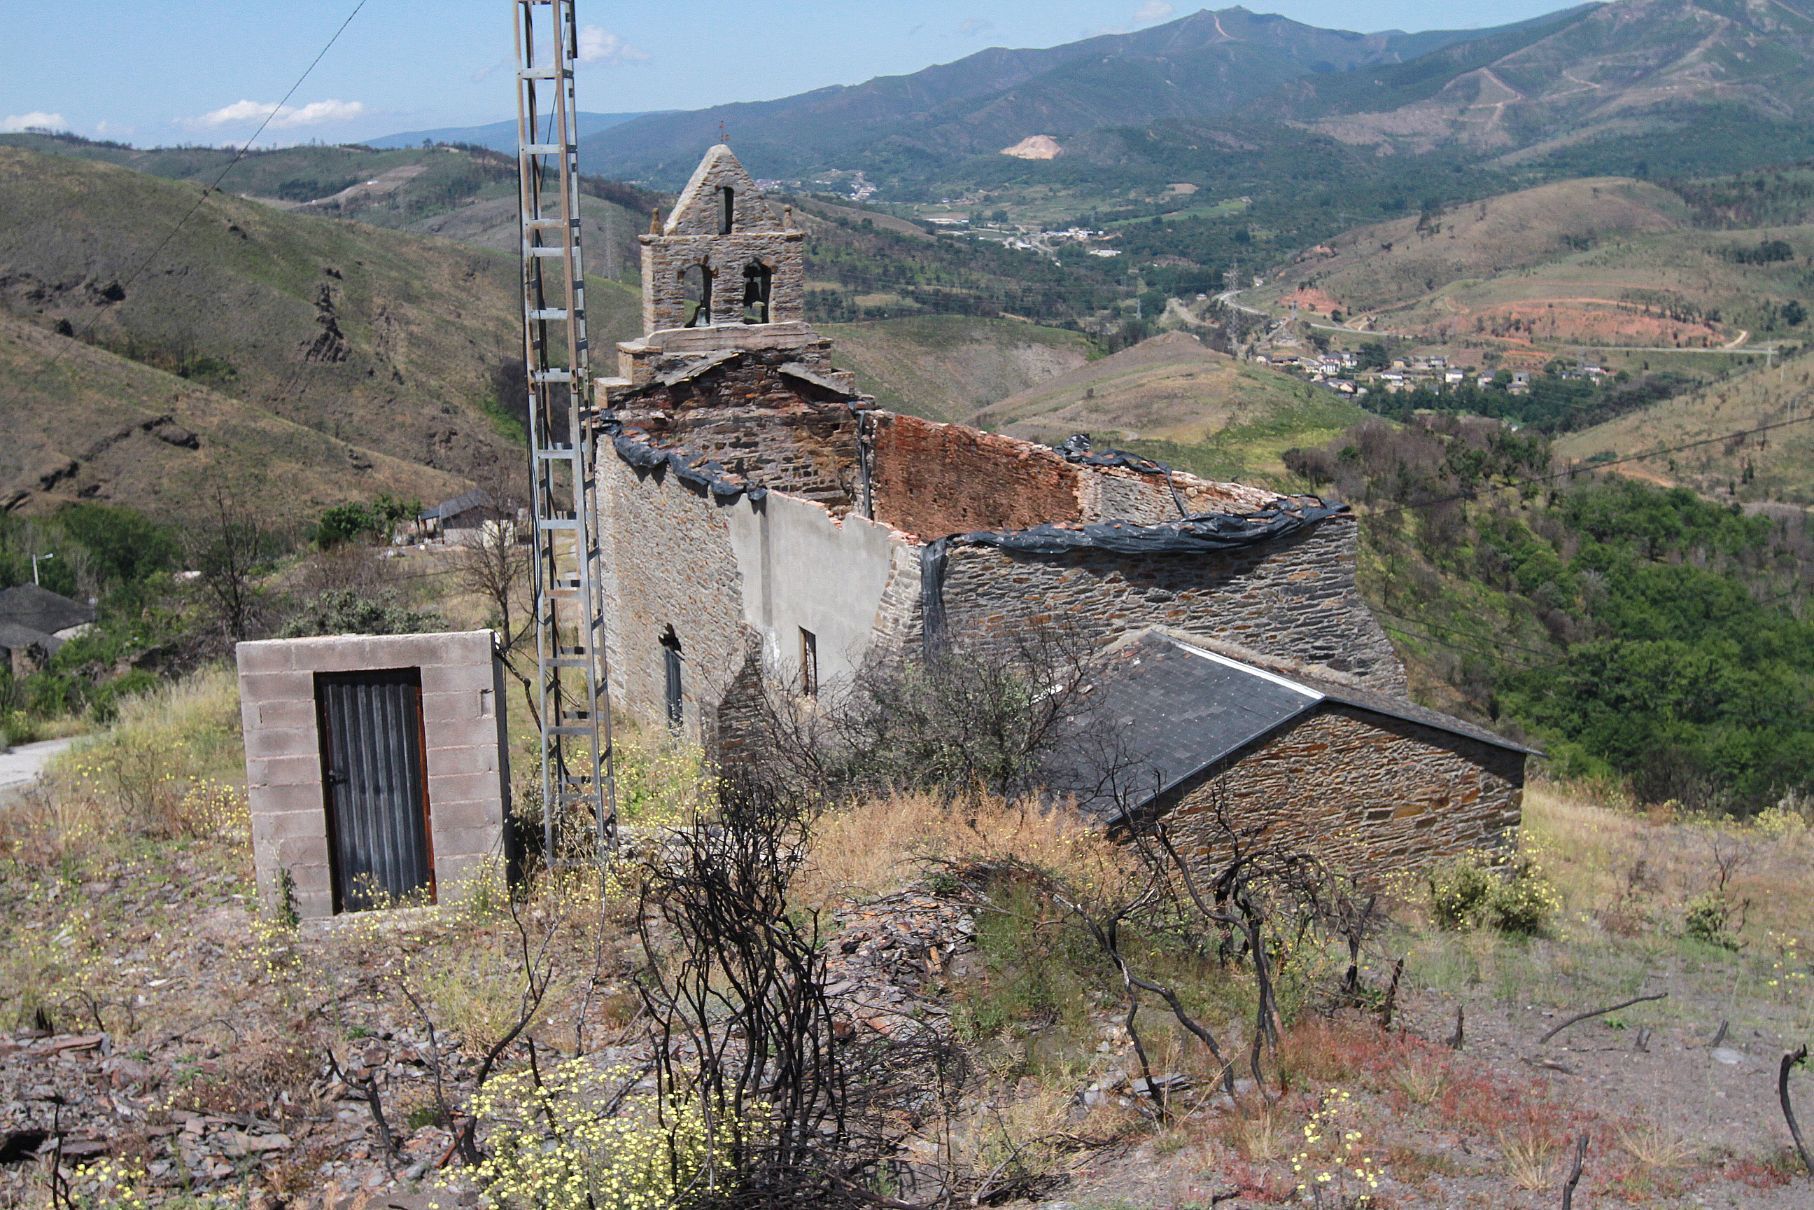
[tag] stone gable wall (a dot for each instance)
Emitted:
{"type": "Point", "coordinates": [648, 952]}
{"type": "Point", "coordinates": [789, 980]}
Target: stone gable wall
{"type": "Point", "coordinates": [1361, 791]}
{"type": "Point", "coordinates": [1293, 599]}
{"type": "Point", "coordinates": [666, 258]}
{"type": "Point", "coordinates": [756, 422]}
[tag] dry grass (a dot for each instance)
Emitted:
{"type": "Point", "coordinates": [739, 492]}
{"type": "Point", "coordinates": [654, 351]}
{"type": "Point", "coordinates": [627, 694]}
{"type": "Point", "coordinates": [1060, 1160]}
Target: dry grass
{"type": "Point", "coordinates": [1421, 1077]}
{"type": "Point", "coordinates": [1654, 1147]}
{"type": "Point", "coordinates": [1613, 864]}
{"type": "Point", "coordinates": [875, 848]}
{"type": "Point", "coordinates": [1259, 1133]}
{"type": "Point", "coordinates": [170, 766]}
{"type": "Point", "coordinates": [1530, 1158]}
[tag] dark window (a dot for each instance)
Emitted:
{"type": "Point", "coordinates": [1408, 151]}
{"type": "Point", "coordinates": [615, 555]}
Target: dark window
{"type": "Point", "coordinates": [670, 665]}
{"type": "Point", "coordinates": [758, 279]}
{"type": "Point", "coordinates": [809, 663]}
{"type": "Point", "coordinates": [730, 210]}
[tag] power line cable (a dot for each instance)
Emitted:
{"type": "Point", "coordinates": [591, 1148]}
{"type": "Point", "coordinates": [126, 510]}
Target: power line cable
{"type": "Point", "coordinates": [207, 191]}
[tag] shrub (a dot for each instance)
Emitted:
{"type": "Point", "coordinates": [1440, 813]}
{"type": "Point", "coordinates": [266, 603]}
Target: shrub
{"type": "Point", "coordinates": [343, 611]}
{"type": "Point", "coordinates": [567, 1145]}
{"type": "Point", "coordinates": [1708, 918]}
{"type": "Point", "coordinates": [1471, 893]}
{"type": "Point", "coordinates": [1459, 892]}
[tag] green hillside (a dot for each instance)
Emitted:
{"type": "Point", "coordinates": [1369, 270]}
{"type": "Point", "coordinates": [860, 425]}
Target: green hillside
{"type": "Point", "coordinates": [1174, 398]}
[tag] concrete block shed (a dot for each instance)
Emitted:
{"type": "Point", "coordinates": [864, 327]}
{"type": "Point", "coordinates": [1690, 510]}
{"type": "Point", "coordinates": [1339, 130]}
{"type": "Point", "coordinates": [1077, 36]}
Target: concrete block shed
{"type": "Point", "coordinates": [376, 766]}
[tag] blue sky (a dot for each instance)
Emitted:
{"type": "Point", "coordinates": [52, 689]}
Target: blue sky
{"type": "Point", "coordinates": [206, 71]}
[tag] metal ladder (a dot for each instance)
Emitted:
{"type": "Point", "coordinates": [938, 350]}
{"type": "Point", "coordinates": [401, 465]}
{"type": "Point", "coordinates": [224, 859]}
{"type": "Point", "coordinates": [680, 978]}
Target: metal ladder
{"type": "Point", "coordinates": [574, 698]}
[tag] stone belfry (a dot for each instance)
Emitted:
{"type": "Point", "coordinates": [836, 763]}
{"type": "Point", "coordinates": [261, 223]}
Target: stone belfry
{"type": "Point", "coordinates": [724, 273]}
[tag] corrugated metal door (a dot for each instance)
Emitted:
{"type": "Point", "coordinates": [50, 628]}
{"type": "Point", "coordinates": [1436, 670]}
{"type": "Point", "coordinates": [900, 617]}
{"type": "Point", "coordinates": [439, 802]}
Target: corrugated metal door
{"type": "Point", "coordinates": [373, 761]}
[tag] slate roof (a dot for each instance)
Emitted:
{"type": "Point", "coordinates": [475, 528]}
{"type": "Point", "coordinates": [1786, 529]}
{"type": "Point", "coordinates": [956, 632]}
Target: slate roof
{"type": "Point", "coordinates": [465, 502]}
{"type": "Point", "coordinates": [1176, 710]}
{"type": "Point", "coordinates": [40, 609]}
{"type": "Point", "coordinates": [14, 637]}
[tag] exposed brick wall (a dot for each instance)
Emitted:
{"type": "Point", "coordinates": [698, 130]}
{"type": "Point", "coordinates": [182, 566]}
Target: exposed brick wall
{"type": "Point", "coordinates": [1361, 791]}
{"type": "Point", "coordinates": [1293, 599]}
{"type": "Point", "coordinates": [938, 479]}
{"type": "Point", "coordinates": [933, 480]}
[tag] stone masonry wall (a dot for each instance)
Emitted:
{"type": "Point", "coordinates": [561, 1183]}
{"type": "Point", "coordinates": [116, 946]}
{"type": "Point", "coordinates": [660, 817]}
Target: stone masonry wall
{"type": "Point", "coordinates": [669, 562]}
{"type": "Point", "coordinates": [1362, 791]}
{"type": "Point", "coordinates": [1293, 599]}
{"type": "Point", "coordinates": [463, 721]}
{"type": "Point", "coordinates": [668, 259]}
{"type": "Point", "coordinates": [756, 421]}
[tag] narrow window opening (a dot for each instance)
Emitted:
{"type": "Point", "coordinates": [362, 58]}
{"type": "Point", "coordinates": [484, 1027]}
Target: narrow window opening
{"type": "Point", "coordinates": [696, 288]}
{"type": "Point", "coordinates": [728, 220]}
{"type": "Point", "coordinates": [670, 666]}
{"type": "Point", "coordinates": [809, 663]}
{"type": "Point", "coordinates": [758, 281]}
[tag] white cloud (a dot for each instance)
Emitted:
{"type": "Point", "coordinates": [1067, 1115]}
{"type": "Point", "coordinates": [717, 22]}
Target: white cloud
{"type": "Point", "coordinates": [974, 26]}
{"type": "Point", "coordinates": [599, 45]}
{"type": "Point", "coordinates": [1153, 10]}
{"type": "Point", "coordinates": [35, 120]}
{"type": "Point", "coordinates": [315, 113]}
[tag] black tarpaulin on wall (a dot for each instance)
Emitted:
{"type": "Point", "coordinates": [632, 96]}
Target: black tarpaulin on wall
{"type": "Point", "coordinates": [704, 474]}
{"type": "Point", "coordinates": [1208, 533]}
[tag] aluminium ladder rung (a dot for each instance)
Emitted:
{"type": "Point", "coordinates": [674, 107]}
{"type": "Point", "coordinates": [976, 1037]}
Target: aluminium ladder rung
{"type": "Point", "coordinates": [549, 148]}
{"type": "Point", "coordinates": [550, 224]}
{"type": "Point", "coordinates": [554, 314]}
{"type": "Point", "coordinates": [548, 72]}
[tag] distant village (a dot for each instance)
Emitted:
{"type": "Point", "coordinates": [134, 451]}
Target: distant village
{"type": "Point", "coordinates": [1346, 373]}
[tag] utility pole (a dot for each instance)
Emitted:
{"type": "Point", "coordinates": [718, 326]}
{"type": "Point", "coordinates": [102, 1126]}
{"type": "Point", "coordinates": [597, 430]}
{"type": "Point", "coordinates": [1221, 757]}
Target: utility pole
{"type": "Point", "coordinates": [573, 698]}
{"type": "Point", "coordinates": [34, 566]}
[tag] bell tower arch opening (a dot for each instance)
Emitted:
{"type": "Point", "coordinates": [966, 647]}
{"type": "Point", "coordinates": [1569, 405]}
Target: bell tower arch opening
{"type": "Point", "coordinates": [696, 294]}
{"type": "Point", "coordinates": [758, 284]}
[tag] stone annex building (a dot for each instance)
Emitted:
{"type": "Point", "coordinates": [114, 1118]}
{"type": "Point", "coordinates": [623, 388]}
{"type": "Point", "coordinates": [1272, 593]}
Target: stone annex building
{"type": "Point", "coordinates": [761, 517]}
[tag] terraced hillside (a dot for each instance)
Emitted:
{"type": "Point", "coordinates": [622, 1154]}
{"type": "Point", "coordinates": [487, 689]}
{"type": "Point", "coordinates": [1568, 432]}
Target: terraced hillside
{"type": "Point", "coordinates": [97, 426]}
{"type": "Point", "coordinates": [1597, 262]}
{"type": "Point", "coordinates": [1773, 466]}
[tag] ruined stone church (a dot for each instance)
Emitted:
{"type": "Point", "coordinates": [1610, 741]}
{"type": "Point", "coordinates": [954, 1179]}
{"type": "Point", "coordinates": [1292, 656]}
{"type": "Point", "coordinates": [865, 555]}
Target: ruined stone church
{"type": "Point", "coordinates": [763, 519]}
